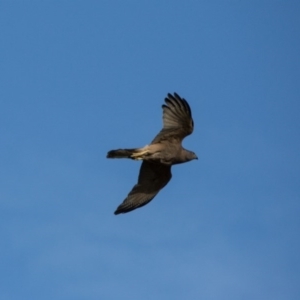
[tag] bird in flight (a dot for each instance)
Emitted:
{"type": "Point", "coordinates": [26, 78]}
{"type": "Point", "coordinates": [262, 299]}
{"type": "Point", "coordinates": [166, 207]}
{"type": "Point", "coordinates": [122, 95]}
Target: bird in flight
{"type": "Point", "coordinates": [158, 157]}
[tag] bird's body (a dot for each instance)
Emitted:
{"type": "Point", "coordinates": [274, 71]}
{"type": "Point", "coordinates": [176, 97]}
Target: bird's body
{"type": "Point", "coordinates": [159, 153]}
{"type": "Point", "coordinates": [164, 151]}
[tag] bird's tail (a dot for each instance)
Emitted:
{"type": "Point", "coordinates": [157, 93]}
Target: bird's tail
{"type": "Point", "coordinates": [135, 153]}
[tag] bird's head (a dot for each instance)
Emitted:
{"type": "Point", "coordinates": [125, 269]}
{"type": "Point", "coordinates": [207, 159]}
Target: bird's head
{"type": "Point", "coordinates": [191, 155]}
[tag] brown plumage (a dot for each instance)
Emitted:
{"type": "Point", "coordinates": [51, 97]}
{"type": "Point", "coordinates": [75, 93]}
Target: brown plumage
{"type": "Point", "coordinates": [158, 157]}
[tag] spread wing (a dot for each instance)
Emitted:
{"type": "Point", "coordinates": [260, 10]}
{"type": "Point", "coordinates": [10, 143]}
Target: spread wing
{"type": "Point", "coordinates": [177, 119]}
{"type": "Point", "coordinates": [152, 178]}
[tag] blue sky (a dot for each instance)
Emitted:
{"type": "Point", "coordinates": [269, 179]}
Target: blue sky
{"type": "Point", "coordinates": [79, 78]}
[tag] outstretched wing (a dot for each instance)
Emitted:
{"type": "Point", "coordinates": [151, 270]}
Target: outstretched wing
{"type": "Point", "coordinates": [152, 178]}
{"type": "Point", "coordinates": [177, 119]}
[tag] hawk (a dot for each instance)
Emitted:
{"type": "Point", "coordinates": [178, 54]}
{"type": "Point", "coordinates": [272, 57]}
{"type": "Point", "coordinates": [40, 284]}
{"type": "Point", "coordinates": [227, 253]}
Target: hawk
{"type": "Point", "coordinates": [158, 157]}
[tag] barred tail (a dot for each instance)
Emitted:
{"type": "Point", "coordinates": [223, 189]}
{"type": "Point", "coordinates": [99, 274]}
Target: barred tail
{"type": "Point", "coordinates": [121, 153]}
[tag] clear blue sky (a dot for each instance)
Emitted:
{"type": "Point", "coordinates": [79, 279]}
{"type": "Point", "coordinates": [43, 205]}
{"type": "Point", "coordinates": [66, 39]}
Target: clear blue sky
{"type": "Point", "coordinates": [79, 78]}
